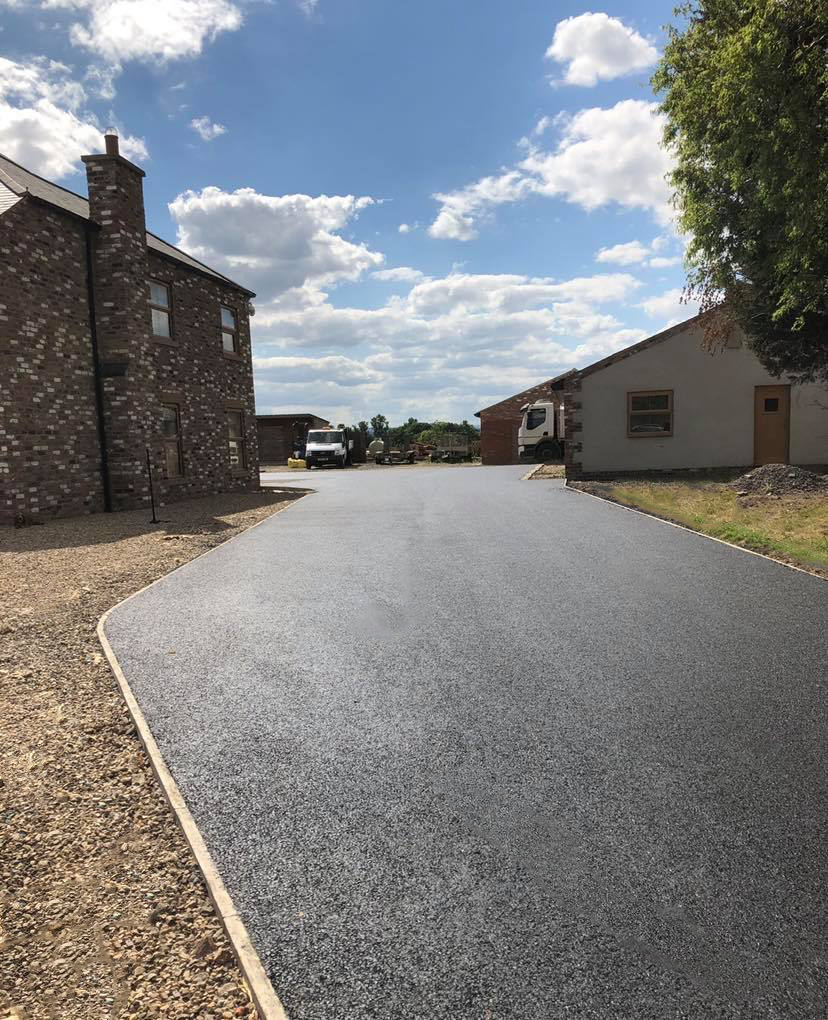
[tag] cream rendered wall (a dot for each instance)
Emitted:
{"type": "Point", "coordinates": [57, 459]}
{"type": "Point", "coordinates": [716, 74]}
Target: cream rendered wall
{"type": "Point", "coordinates": [713, 398]}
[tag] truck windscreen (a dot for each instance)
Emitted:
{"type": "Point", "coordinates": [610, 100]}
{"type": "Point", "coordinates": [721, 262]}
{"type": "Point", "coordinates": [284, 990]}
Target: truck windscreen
{"type": "Point", "coordinates": [325, 437]}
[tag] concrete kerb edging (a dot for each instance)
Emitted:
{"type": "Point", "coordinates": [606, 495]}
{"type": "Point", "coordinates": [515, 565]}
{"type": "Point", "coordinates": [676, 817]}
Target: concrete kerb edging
{"type": "Point", "coordinates": [692, 531]}
{"type": "Point", "coordinates": [261, 990]}
{"type": "Point", "coordinates": [532, 473]}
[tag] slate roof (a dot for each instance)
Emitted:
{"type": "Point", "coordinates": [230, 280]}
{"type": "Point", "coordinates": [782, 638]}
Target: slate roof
{"type": "Point", "coordinates": [23, 182]}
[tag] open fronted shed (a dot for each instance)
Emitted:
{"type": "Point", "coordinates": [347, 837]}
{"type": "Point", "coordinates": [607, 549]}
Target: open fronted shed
{"type": "Point", "coordinates": [281, 434]}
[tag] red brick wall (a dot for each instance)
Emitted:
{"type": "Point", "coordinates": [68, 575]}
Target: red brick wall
{"type": "Point", "coordinates": [49, 452]}
{"type": "Point", "coordinates": [498, 437]}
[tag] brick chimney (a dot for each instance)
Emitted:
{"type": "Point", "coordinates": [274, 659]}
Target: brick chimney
{"type": "Point", "coordinates": [116, 207]}
{"type": "Point", "coordinates": [120, 270]}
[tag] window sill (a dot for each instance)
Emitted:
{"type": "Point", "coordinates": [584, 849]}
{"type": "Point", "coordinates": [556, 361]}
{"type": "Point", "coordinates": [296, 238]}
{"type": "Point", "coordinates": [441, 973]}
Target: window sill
{"type": "Point", "coordinates": [239, 472]}
{"type": "Point", "coordinates": [650, 435]}
{"type": "Point", "coordinates": [164, 341]}
{"type": "Point", "coordinates": [232, 355]}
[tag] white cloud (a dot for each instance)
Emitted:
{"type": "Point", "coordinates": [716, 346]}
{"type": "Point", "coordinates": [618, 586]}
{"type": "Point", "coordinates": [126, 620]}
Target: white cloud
{"type": "Point", "coordinates": [664, 261]}
{"type": "Point", "coordinates": [635, 253]}
{"type": "Point", "coordinates": [42, 122]}
{"type": "Point", "coordinates": [151, 31]}
{"type": "Point", "coordinates": [148, 30]}
{"type": "Point", "coordinates": [669, 307]}
{"type": "Point", "coordinates": [541, 127]}
{"type": "Point", "coordinates": [206, 129]}
{"type": "Point", "coordinates": [603, 157]}
{"type": "Point", "coordinates": [629, 254]}
{"type": "Point", "coordinates": [460, 209]}
{"type": "Point", "coordinates": [608, 156]}
{"type": "Point", "coordinates": [402, 274]}
{"type": "Point", "coordinates": [284, 246]}
{"type": "Point", "coordinates": [405, 228]}
{"type": "Point", "coordinates": [596, 47]}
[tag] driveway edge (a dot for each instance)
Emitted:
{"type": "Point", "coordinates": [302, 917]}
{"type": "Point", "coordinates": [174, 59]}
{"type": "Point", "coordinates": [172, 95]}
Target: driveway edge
{"type": "Point", "coordinates": [261, 990]}
{"type": "Point", "coordinates": [692, 531]}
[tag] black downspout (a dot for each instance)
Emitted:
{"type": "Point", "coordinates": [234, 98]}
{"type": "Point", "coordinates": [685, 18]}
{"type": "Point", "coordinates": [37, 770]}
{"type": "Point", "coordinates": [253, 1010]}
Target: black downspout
{"type": "Point", "coordinates": [96, 363]}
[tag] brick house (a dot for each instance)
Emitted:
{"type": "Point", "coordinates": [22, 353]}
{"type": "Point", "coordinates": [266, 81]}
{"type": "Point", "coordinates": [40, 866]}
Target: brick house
{"type": "Point", "coordinates": [499, 423]}
{"type": "Point", "coordinates": [113, 343]}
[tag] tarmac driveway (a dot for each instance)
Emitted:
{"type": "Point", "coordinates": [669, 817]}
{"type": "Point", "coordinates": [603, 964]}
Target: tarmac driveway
{"type": "Point", "coordinates": [469, 747]}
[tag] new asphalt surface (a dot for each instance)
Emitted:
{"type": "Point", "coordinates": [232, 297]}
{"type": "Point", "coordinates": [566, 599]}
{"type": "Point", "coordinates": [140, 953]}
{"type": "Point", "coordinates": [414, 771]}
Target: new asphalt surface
{"type": "Point", "coordinates": [465, 746]}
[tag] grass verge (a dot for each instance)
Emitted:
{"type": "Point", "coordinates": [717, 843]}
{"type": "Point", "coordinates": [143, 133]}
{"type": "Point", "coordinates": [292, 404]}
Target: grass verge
{"type": "Point", "coordinates": [792, 528]}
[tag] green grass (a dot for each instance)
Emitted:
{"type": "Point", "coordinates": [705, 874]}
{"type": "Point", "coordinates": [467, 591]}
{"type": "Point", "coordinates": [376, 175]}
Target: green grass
{"type": "Point", "coordinates": [793, 528]}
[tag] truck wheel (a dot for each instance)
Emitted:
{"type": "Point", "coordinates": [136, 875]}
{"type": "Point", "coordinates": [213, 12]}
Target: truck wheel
{"type": "Point", "coordinates": [545, 452]}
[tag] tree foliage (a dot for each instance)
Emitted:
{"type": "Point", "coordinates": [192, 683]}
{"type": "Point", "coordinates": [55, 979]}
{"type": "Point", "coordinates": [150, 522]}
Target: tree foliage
{"type": "Point", "coordinates": [400, 437]}
{"type": "Point", "coordinates": [379, 425]}
{"type": "Point", "coordinates": [745, 86]}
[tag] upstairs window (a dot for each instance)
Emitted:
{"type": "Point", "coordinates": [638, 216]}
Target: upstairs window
{"type": "Point", "coordinates": [235, 438]}
{"type": "Point", "coordinates": [229, 331]}
{"type": "Point", "coordinates": [171, 429]}
{"type": "Point", "coordinates": [160, 309]}
{"type": "Point", "coordinates": [650, 414]}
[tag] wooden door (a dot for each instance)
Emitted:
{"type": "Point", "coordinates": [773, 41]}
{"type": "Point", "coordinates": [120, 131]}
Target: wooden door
{"type": "Point", "coordinates": [771, 428]}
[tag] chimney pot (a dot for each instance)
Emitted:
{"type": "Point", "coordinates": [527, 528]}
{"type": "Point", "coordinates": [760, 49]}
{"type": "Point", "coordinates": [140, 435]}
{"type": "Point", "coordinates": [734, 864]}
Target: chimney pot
{"type": "Point", "coordinates": [111, 141]}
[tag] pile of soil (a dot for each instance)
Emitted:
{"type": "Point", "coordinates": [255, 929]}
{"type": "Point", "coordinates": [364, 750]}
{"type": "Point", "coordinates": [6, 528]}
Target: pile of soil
{"type": "Point", "coordinates": [103, 912]}
{"type": "Point", "coordinates": [779, 480]}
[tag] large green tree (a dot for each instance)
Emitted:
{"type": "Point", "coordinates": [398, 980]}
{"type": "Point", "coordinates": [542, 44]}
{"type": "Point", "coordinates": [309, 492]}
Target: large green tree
{"type": "Point", "coordinates": [379, 425]}
{"type": "Point", "coordinates": [745, 91]}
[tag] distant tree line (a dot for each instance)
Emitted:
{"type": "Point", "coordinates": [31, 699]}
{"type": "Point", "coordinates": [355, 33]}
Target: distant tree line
{"type": "Point", "coordinates": [415, 431]}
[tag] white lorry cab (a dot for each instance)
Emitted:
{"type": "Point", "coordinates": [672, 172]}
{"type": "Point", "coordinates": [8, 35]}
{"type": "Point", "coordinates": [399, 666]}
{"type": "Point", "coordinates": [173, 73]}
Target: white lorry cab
{"type": "Point", "coordinates": [329, 446]}
{"type": "Point", "coordinates": [541, 432]}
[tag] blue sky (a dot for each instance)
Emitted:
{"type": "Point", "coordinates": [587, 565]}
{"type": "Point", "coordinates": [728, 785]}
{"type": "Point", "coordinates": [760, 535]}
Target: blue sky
{"type": "Point", "coordinates": [438, 204]}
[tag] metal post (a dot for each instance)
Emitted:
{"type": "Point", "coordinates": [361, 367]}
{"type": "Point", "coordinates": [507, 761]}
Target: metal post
{"type": "Point", "coordinates": [152, 491]}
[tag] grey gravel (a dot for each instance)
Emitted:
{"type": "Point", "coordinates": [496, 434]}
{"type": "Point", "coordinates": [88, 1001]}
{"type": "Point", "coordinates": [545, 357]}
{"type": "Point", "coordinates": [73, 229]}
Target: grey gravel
{"type": "Point", "coordinates": [468, 747]}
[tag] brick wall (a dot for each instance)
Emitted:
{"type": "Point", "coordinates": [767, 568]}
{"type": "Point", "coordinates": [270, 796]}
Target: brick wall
{"type": "Point", "coordinates": [498, 437]}
{"type": "Point", "coordinates": [192, 371]}
{"type": "Point", "coordinates": [572, 429]}
{"type": "Point", "coordinates": [49, 452]}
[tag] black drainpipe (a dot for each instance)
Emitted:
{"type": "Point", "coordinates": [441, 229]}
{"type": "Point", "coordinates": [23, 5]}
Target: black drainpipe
{"type": "Point", "coordinates": [96, 363]}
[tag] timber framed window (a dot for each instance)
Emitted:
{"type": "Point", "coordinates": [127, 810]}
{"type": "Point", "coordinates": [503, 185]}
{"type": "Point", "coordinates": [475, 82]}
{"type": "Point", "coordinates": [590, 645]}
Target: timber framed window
{"type": "Point", "coordinates": [160, 303]}
{"type": "Point", "coordinates": [229, 331]}
{"type": "Point", "coordinates": [235, 439]}
{"type": "Point", "coordinates": [649, 414]}
{"type": "Point", "coordinates": [171, 430]}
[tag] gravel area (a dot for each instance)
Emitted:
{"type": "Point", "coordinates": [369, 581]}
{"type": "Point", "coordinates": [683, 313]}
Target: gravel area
{"type": "Point", "coordinates": [549, 471]}
{"type": "Point", "coordinates": [103, 912]}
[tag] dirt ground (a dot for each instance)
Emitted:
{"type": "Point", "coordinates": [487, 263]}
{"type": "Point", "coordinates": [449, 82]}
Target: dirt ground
{"type": "Point", "coordinates": [103, 912]}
